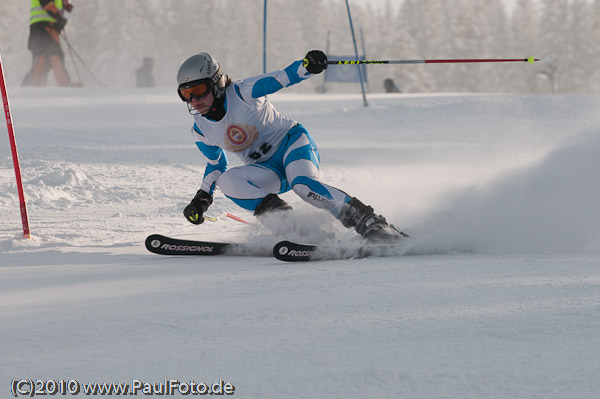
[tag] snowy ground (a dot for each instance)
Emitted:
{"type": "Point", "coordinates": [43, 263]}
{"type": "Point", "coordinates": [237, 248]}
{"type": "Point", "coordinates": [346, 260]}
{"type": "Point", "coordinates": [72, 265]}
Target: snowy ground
{"type": "Point", "coordinates": [498, 297]}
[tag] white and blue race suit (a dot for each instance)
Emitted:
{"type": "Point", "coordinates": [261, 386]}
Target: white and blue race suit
{"type": "Point", "coordinates": [278, 153]}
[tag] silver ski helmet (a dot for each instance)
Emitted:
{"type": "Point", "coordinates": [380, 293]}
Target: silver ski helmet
{"type": "Point", "coordinates": [198, 69]}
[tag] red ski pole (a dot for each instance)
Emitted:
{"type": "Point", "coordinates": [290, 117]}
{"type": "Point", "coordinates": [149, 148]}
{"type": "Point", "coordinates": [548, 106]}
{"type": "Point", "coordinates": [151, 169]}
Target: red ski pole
{"type": "Point", "coordinates": [15, 156]}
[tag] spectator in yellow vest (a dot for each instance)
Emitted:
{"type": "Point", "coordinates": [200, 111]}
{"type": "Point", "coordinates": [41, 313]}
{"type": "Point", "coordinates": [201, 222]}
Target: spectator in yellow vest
{"type": "Point", "coordinates": [45, 25]}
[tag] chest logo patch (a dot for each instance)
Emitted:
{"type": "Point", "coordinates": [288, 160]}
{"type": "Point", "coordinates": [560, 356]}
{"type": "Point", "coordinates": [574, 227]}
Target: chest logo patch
{"type": "Point", "coordinates": [240, 137]}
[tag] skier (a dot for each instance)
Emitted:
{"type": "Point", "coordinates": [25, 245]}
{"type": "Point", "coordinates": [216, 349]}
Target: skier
{"type": "Point", "coordinates": [278, 153]}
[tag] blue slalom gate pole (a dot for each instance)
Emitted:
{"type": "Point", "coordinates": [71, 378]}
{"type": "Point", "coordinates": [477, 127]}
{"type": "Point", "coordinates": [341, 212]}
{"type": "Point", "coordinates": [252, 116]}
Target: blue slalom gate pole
{"type": "Point", "coordinates": [265, 37]}
{"type": "Point", "coordinates": [362, 84]}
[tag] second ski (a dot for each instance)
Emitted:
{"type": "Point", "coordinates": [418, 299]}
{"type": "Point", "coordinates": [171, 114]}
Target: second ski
{"type": "Point", "coordinates": [294, 252]}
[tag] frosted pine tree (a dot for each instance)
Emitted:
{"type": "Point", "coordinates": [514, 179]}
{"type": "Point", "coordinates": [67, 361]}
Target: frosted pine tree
{"type": "Point", "coordinates": [524, 43]}
{"type": "Point", "coordinates": [494, 41]}
{"type": "Point", "coordinates": [594, 78]}
{"type": "Point", "coordinates": [579, 45]}
{"type": "Point", "coordinates": [554, 43]}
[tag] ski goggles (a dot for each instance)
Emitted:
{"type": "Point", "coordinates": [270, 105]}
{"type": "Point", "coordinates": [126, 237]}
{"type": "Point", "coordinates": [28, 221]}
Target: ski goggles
{"type": "Point", "coordinates": [196, 89]}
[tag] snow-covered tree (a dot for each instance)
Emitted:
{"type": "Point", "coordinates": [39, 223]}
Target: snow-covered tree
{"type": "Point", "coordinates": [554, 42]}
{"type": "Point", "coordinates": [112, 39]}
{"type": "Point", "coordinates": [594, 50]}
{"type": "Point", "coordinates": [524, 43]}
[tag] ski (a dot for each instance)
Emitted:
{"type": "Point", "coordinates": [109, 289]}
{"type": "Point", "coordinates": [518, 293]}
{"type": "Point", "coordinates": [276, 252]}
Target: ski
{"type": "Point", "coordinates": [164, 245]}
{"type": "Point", "coordinates": [289, 251]}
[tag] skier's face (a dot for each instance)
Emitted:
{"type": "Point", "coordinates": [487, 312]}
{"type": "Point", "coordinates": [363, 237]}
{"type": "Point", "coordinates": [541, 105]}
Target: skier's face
{"type": "Point", "coordinates": [203, 104]}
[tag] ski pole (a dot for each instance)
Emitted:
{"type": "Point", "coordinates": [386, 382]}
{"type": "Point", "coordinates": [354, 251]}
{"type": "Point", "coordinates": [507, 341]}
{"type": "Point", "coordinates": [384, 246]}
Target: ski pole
{"type": "Point", "coordinates": [229, 215]}
{"type": "Point", "coordinates": [531, 60]}
{"type": "Point", "coordinates": [71, 48]}
{"type": "Point", "coordinates": [239, 219]}
{"type": "Point", "coordinates": [72, 58]}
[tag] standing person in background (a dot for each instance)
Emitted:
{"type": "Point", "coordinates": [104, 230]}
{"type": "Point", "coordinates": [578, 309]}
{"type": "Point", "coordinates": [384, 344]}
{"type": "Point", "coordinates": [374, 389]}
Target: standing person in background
{"type": "Point", "coordinates": [143, 75]}
{"type": "Point", "coordinates": [390, 87]}
{"type": "Point", "coordinates": [46, 22]}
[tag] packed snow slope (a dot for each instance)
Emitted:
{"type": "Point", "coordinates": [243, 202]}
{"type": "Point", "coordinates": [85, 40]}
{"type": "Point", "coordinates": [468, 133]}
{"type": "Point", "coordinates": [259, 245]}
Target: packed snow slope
{"type": "Point", "coordinates": [497, 293]}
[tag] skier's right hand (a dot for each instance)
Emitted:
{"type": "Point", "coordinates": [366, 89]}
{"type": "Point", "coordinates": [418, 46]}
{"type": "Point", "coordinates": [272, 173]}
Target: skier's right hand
{"type": "Point", "coordinates": [195, 210]}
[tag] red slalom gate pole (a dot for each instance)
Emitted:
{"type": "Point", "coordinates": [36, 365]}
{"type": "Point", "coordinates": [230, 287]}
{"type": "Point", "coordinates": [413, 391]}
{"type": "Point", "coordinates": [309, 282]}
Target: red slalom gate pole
{"type": "Point", "coordinates": [15, 155]}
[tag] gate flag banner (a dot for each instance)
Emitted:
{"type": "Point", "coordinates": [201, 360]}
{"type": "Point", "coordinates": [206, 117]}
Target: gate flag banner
{"type": "Point", "coordinates": [345, 73]}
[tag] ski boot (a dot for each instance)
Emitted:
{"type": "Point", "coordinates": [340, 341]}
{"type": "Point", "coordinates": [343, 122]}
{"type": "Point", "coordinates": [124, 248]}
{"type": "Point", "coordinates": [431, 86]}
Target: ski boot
{"type": "Point", "coordinates": [271, 203]}
{"type": "Point", "coordinates": [274, 214]}
{"type": "Point", "coordinates": [372, 227]}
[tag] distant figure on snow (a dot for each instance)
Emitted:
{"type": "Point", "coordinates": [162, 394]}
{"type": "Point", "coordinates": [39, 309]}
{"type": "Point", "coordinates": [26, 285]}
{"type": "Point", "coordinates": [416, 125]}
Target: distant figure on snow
{"type": "Point", "coordinates": [278, 153]}
{"type": "Point", "coordinates": [46, 22]}
{"type": "Point", "coordinates": [390, 86]}
{"type": "Point", "coordinates": [143, 75]}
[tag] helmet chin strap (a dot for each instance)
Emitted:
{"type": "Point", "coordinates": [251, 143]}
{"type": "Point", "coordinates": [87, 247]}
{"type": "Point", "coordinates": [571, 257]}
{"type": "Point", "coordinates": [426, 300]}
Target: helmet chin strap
{"type": "Point", "coordinates": [217, 108]}
{"type": "Point", "coordinates": [192, 110]}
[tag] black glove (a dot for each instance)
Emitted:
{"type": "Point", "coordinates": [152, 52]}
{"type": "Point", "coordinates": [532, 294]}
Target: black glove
{"type": "Point", "coordinates": [315, 61]}
{"type": "Point", "coordinates": [193, 212]}
{"type": "Point", "coordinates": [60, 23]}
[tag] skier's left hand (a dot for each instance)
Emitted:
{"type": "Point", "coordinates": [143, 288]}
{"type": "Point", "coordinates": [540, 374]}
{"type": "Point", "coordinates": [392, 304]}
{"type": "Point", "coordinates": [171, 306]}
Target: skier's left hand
{"type": "Point", "coordinates": [315, 61]}
{"type": "Point", "coordinates": [60, 23]}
